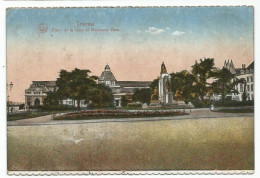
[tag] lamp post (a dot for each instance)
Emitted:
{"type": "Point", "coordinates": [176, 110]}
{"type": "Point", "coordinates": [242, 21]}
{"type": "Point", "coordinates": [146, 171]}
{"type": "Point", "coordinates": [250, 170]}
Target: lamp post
{"type": "Point", "coordinates": [9, 88]}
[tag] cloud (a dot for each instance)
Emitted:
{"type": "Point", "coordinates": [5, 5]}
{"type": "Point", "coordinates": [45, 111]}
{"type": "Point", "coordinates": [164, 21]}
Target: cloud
{"type": "Point", "coordinates": [178, 33]}
{"type": "Point", "coordinates": [139, 31]}
{"type": "Point", "coordinates": [154, 30]}
{"type": "Point", "coordinates": [168, 28]}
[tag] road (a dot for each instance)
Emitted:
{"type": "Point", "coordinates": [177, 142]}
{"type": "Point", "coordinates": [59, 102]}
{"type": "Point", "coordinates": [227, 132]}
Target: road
{"type": "Point", "coordinates": [194, 114]}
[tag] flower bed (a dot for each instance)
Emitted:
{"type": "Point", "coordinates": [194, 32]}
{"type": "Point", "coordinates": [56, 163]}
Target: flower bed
{"type": "Point", "coordinates": [103, 114]}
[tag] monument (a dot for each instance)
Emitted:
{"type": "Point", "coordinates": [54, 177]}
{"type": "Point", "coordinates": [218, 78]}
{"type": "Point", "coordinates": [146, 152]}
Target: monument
{"type": "Point", "coordinates": [165, 94]}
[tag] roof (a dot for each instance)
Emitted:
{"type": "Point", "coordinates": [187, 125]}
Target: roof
{"type": "Point", "coordinates": [133, 83]}
{"type": "Point", "coordinates": [43, 86]}
{"type": "Point", "coordinates": [107, 67]}
{"type": "Point", "coordinates": [46, 83]}
{"type": "Point", "coordinates": [107, 75]}
{"type": "Point", "coordinates": [251, 66]}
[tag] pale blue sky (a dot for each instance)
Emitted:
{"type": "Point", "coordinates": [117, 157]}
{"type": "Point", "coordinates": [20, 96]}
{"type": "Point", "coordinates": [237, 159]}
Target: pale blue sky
{"type": "Point", "coordinates": [198, 23]}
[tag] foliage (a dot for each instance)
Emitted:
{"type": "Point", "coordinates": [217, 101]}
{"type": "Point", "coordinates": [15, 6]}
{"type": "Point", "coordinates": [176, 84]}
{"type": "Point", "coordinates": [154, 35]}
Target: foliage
{"type": "Point", "coordinates": [236, 110]}
{"type": "Point", "coordinates": [244, 95]}
{"type": "Point", "coordinates": [224, 83]}
{"type": "Point", "coordinates": [26, 115]}
{"type": "Point", "coordinates": [142, 95]}
{"type": "Point", "coordinates": [182, 85]}
{"type": "Point", "coordinates": [76, 85]}
{"type": "Point", "coordinates": [202, 71]}
{"type": "Point", "coordinates": [233, 103]}
{"type": "Point", "coordinates": [106, 114]}
{"type": "Point", "coordinates": [124, 101]}
{"type": "Point", "coordinates": [21, 106]}
{"type": "Point", "coordinates": [101, 96]}
{"type": "Point", "coordinates": [51, 99]}
{"type": "Point", "coordinates": [201, 103]}
{"type": "Point", "coordinates": [134, 105]}
{"type": "Point", "coordinates": [53, 107]}
{"type": "Point", "coordinates": [154, 89]}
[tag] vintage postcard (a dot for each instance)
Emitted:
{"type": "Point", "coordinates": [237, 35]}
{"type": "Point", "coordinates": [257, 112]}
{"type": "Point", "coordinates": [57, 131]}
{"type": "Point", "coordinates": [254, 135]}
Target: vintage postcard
{"type": "Point", "coordinates": [132, 90]}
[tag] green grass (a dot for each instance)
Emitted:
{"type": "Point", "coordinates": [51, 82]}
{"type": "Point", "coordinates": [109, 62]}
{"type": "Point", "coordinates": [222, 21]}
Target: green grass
{"type": "Point", "coordinates": [27, 115]}
{"type": "Point", "coordinates": [190, 144]}
{"type": "Point", "coordinates": [234, 110]}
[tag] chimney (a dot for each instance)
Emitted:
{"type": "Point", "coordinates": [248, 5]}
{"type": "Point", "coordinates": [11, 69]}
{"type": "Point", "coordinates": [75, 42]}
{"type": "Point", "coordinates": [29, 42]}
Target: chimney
{"type": "Point", "coordinates": [243, 66]}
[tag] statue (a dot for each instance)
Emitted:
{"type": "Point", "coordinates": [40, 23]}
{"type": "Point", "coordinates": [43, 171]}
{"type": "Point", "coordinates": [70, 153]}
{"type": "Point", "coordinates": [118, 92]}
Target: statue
{"type": "Point", "coordinates": [163, 69]}
{"type": "Point", "coordinates": [178, 95]}
{"type": "Point", "coordinates": [154, 96]}
{"type": "Point", "coordinates": [167, 85]}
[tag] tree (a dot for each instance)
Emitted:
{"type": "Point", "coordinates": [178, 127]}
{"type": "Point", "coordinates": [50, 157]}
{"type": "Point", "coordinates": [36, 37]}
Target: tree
{"type": "Point", "coordinates": [142, 95]}
{"type": "Point", "coordinates": [154, 85]}
{"type": "Point", "coordinates": [124, 101]}
{"type": "Point", "coordinates": [202, 71]}
{"type": "Point", "coordinates": [182, 85]}
{"type": "Point", "coordinates": [76, 85]}
{"type": "Point", "coordinates": [101, 96]}
{"type": "Point", "coordinates": [224, 83]}
{"type": "Point", "coordinates": [51, 99]}
{"type": "Point", "coordinates": [244, 95]}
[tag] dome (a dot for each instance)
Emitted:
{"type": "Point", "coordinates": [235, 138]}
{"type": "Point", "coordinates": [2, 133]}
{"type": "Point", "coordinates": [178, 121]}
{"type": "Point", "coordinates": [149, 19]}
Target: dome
{"type": "Point", "coordinates": [107, 67]}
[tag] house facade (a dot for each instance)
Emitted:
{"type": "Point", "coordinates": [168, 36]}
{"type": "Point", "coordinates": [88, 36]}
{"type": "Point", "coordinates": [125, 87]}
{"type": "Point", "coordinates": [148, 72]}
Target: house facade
{"type": "Point", "coordinates": [37, 92]}
{"type": "Point", "coordinates": [246, 73]}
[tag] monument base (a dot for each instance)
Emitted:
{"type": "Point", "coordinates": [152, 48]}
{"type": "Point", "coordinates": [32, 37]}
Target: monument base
{"type": "Point", "coordinates": [155, 104]}
{"type": "Point", "coordinates": [169, 98]}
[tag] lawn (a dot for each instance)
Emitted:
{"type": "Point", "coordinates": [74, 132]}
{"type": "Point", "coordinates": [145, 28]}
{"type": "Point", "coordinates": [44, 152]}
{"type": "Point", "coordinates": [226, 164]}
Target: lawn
{"type": "Point", "coordinates": [27, 115]}
{"type": "Point", "coordinates": [235, 110]}
{"type": "Point", "coordinates": [190, 144]}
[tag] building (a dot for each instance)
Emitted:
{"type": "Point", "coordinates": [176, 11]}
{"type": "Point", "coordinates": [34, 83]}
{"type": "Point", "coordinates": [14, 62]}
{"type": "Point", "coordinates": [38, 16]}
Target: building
{"type": "Point", "coordinates": [121, 88]}
{"type": "Point", "coordinates": [37, 92]}
{"type": "Point", "coordinates": [246, 73]}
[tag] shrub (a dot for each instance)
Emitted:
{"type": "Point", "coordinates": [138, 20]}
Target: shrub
{"type": "Point", "coordinates": [201, 104]}
{"type": "Point", "coordinates": [54, 107]}
{"type": "Point", "coordinates": [134, 105]}
{"type": "Point", "coordinates": [233, 103]}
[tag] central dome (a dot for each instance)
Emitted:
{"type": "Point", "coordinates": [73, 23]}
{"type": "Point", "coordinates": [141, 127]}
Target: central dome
{"type": "Point", "coordinates": [107, 67]}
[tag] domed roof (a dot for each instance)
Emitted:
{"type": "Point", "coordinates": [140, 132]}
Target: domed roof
{"type": "Point", "coordinates": [107, 67]}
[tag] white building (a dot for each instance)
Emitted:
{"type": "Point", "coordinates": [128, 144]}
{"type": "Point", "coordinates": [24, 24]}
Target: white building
{"type": "Point", "coordinates": [246, 73]}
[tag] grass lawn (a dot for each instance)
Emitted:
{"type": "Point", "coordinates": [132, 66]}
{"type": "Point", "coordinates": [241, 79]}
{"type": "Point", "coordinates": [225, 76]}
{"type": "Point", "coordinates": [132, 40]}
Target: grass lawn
{"type": "Point", "coordinates": [190, 144]}
{"type": "Point", "coordinates": [236, 110]}
{"type": "Point", "coordinates": [27, 115]}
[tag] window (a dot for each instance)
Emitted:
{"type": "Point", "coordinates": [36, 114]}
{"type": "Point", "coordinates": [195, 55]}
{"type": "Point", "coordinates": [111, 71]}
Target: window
{"type": "Point", "coordinates": [247, 79]}
{"type": "Point", "coordinates": [248, 88]}
{"type": "Point", "coordinates": [252, 78]}
{"type": "Point", "coordinates": [252, 97]}
{"type": "Point", "coordinates": [252, 87]}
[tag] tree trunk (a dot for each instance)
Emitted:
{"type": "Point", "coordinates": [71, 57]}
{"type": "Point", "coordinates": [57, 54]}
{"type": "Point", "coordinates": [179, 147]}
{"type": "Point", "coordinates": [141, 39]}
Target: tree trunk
{"type": "Point", "coordinates": [78, 104]}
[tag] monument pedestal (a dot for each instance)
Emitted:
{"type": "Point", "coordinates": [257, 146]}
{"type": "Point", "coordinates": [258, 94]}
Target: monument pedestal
{"type": "Point", "coordinates": [169, 98]}
{"type": "Point", "coordinates": [155, 104]}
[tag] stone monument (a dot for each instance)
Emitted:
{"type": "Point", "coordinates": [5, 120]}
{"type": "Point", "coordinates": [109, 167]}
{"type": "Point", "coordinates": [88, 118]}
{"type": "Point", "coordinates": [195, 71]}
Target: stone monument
{"type": "Point", "coordinates": [165, 94]}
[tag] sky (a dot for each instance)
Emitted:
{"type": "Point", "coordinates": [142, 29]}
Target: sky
{"type": "Point", "coordinates": [133, 41]}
